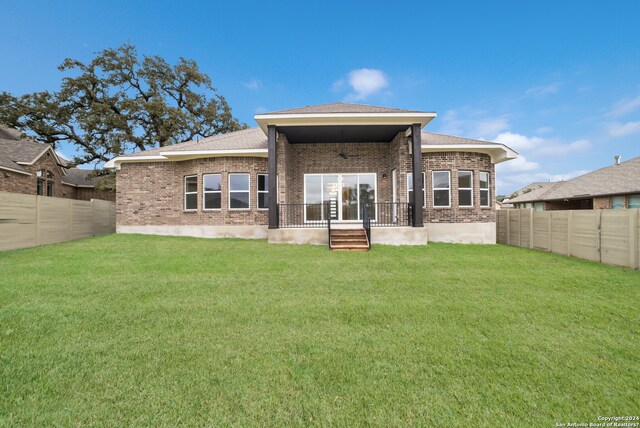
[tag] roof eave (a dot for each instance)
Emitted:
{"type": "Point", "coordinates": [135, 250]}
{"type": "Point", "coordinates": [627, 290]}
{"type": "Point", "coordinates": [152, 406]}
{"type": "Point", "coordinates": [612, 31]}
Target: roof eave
{"type": "Point", "coordinates": [344, 119]}
{"type": "Point", "coordinates": [185, 155]}
{"type": "Point", "coordinates": [498, 152]}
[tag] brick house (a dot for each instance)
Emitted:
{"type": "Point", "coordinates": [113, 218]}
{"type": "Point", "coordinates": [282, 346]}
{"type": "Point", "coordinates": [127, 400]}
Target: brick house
{"type": "Point", "coordinates": [615, 186]}
{"type": "Point", "coordinates": [338, 165]}
{"type": "Point", "coordinates": [29, 167]}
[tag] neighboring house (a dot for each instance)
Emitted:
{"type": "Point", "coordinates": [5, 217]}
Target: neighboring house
{"type": "Point", "coordinates": [29, 167]}
{"type": "Point", "coordinates": [302, 167]}
{"type": "Point", "coordinates": [503, 204]}
{"type": "Point", "coordinates": [615, 186]}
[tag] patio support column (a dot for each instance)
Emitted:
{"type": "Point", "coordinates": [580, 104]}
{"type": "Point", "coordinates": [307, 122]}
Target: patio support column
{"type": "Point", "coordinates": [416, 146]}
{"type": "Point", "coordinates": [273, 174]}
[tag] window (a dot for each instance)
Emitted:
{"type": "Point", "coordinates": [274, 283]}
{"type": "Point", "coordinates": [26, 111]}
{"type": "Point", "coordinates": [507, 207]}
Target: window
{"type": "Point", "coordinates": [191, 193]}
{"type": "Point", "coordinates": [441, 188]}
{"type": "Point", "coordinates": [465, 188]}
{"type": "Point", "coordinates": [212, 193]}
{"type": "Point", "coordinates": [44, 181]}
{"type": "Point", "coordinates": [410, 189]}
{"type": "Point", "coordinates": [617, 202]}
{"type": "Point", "coordinates": [484, 189]}
{"type": "Point", "coordinates": [263, 191]}
{"type": "Point", "coordinates": [538, 206]}
{"type": "Point", "coordinates": [633, 201]}
{"type": "Point", "coordinates": [239, 191]}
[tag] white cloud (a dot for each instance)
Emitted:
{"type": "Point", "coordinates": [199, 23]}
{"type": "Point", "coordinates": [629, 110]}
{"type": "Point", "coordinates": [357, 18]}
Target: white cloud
{"type": "Point", "coordinates": [475, 125]}
{"type": "Point", "coordinates": [625, 106]}
{"type": "Point", "coordinates": [253, 84]}
{"type": "Point", "coordinates": [364, 82]}
{"type": "Point", "coordinates": [544, 130]}
{"type": "Point", "coordinates": [519, 164]}
{"type": "Point", "coordinates": [622, 129]}
{"type": "Point", "coordinates": [540, 91]}
{"type": "Point", "coordinates": [518, 142]}
{"type": "Point", "coordinates": [556, 149]}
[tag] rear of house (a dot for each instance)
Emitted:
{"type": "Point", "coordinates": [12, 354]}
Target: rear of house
{"type": "Point", "coordinates": [304, 170]}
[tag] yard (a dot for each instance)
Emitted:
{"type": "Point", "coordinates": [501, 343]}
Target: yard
{"type": "Point", "coordinates": [141, 330]}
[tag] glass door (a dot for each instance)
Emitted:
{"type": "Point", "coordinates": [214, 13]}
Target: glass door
{"type": "Point", "coordinates": [346, 194]}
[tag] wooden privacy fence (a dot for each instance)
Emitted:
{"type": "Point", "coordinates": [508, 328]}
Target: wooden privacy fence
{"type": "Point", "coordinates": [606, 236]}
{"type": "Point", "coordinates": [30, 220]}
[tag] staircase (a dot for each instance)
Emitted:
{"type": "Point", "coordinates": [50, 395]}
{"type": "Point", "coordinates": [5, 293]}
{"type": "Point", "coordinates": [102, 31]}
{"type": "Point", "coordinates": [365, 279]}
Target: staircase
{"type": "Point", "coordinates": [349, 240]}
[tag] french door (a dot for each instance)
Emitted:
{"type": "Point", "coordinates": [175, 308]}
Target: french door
{"type": "Point", "coordinates": [346, 194]}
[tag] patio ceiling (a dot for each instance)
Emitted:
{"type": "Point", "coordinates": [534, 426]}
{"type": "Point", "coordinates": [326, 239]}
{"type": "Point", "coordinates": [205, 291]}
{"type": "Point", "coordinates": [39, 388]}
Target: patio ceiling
{"type": "Point", "coordinates": [341, 133]}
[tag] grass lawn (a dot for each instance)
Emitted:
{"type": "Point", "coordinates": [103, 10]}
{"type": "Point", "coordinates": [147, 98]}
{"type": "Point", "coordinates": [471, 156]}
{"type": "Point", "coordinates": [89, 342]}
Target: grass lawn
{"type": "Point", "coordinates": [142, 330]}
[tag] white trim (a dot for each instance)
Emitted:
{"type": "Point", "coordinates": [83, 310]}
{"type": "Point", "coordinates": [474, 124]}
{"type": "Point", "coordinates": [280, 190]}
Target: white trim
{"type": "Point", "coordinates": [15, 170]}
{"type": "Point", "coordinates": [258, 191]}
{"type": "Point", "coordinates": [184, 155]}
{"type": "Point", "coordinates": [205, 191]}
{"type": "Point", "coordinates": [184, 207]}
{"type": "Point", "coordinates": [498, 152]}
{"type": "Point", "coordinates": [424, 188]}
{"type": "Point", "coordinates": [488, 189]}
{"type": "Point", "coordinates": [433, 189]}
{"type": "Point", "coordinates": [328, 119]}
{"type": "Point", "coordinates": [248, 191]}
{"type": "Point", "coordinates": [465, 188]}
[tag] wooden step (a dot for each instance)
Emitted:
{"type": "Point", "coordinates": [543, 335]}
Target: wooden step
{"type": "Point", "coordinates": [349, 240]}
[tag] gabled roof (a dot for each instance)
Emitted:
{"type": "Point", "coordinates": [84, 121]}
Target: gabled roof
{"type": "Point", "coordinates": [534, 191]}
{"type": "Point", "coordinates": [341, 108]}
{"type": "Point", "coordinates": [432, 142]}
{"type": "Point", "coordinates": [611, 180]}
{"type": "Point", "coordinates": [79, 177]}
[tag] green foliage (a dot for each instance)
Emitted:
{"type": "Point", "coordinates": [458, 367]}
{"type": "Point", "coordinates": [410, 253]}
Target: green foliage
{"type": "Point", "coordinates": [117, 103]}
{"type": "Point", "coordinates": [127, 330]}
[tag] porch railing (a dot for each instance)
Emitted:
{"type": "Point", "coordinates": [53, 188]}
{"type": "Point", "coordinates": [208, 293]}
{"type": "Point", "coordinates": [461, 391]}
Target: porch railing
{"type": "Point", "coordinates": [380, 214]}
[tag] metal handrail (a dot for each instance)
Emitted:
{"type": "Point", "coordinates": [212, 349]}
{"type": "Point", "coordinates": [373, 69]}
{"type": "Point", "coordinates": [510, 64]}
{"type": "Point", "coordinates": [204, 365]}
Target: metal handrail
{"type": "Point", "coordinates": [380, 214]}
{"type": "Point", "coordinates": [366, 223]}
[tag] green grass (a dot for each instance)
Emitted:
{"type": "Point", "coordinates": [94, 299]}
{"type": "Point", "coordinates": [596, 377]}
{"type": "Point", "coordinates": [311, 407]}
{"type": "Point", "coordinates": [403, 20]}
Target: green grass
{"type": "Point", "coordinates": [141, 330]}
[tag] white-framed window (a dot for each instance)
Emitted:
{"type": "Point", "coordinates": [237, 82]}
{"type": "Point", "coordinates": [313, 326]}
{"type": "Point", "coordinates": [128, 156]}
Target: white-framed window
{"type": "Point", "coordinates": [617, 202]}
{"type": "Point", "coordinates": [239, 189]}
{"type": "Point", "coordinates": [410, 189]}
{"type": "Point", "coordinates": [485, 200]}
{"type": "Point", "coordinates": [633, 201]}
{"type": "Point", "coordinates": [191, 193]}
{"type": "Point", "coordinates": [465, 188]}
{"type": "Point", "coordinates": [212, 191]}
{"type": "Point", "coordinates": [263, 191]}
{"type": "Point", "coordinates": [441, 188]}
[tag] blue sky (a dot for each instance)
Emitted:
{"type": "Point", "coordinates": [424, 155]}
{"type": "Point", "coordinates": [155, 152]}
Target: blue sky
{"type": "Point", "coordinates": [558, 81]}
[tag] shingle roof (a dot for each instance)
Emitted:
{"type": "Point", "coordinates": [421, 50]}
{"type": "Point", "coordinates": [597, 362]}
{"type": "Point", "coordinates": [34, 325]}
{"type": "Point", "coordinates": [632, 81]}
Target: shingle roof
{"type": "Point", "coordinates": [341, 108]}
{"type": "Point", "coordinates": [245, 139]}
{"type": "Point", "coordinates": [79, 177]}
{"type": "Point", "coordinates": [22, 150]}
{"type": "Point", "coordinates": [534, 191]}
{"type": "Point", "coordinates": [611, 180]}
{"type": "Point", "coordinates": [442, 139]}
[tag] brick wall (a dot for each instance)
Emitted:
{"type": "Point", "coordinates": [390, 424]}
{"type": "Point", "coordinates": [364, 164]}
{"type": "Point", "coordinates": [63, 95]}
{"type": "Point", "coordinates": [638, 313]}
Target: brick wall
{"type": "Point", "coordinates": [602, 203]}
{"type": "Point", "coordinates": [454, 162]}
{"type": "Point", "coordinates": [88, 193]}
{"type": "Point", "coordinates": [153, 193]}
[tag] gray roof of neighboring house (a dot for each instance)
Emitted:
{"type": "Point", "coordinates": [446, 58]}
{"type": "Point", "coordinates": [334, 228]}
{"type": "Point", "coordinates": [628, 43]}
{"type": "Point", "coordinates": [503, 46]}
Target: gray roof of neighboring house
{"type": "Point", "coordinates": [611, 180]}
{"type": "Point", "coordinates": [341, 108]}
{"type": "Point", "coordinates": [14, 148]}
{"type": "Point", "coordinates": [534, 191]}
{"type": "Point", "coordinates": [79, 177]}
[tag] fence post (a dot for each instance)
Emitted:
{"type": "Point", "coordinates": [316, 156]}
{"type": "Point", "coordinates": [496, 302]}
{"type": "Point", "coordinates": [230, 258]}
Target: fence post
{"type": "Point", "coordinates": [569, 231]}
{"type": "Point", "coordinates": [633, 238]}
{"type": "Point", "coordinates": [519, 228]}
{"type": "Point", "coordinates": [549, 223]}
{"type": "Point", "coordinates": [599, 235]}
{"type": "Point", "coordinates": [508, 227]}
{"type": "Point", "coordinates": [37, 220]}
{"type": "Point", "coordinates": [70, 219]}
{"type": "Point", "coordinates": [531, 228]}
